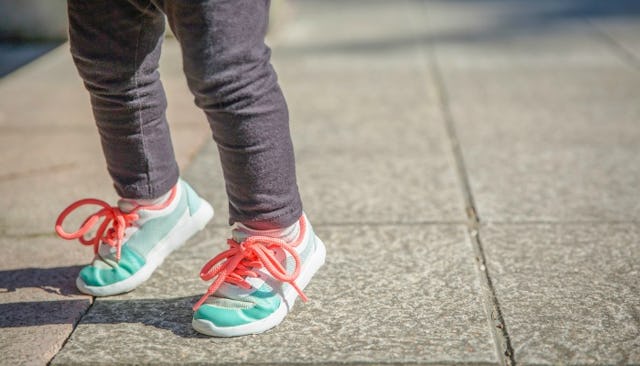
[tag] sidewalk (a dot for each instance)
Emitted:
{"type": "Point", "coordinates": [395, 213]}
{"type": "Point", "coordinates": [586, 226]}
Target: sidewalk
{"type": "Point", "coordinates": [472, 166]}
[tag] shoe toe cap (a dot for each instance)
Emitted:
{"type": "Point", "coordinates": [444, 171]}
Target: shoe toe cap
{"type": "Point", "coordinates": [223, 315]}
{"type": "Point", "coordinates": [100, 273]}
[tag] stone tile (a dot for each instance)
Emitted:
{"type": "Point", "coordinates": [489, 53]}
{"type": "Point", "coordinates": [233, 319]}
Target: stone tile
{"type": "Point", "coordinates": [569, 293]}
{"type": "Point", "coordinates": [546, 115]}
{"type": "Point", "coordinates": [379, 189]}
{"type": "Point", "coordinates": [572, 159]}
{"type": "Point", "coordinates": [558, 87]}
{"type": "Point", "coordinates": [389, 161]}
{"type": "Point", "coordinates": [29, 344]}
{"type": "Point", "coordinates": [39, 303]}
{"type": "Point", "coordinates": [422, 283]}
{"type": "Point", "coordinates": [41, 251]}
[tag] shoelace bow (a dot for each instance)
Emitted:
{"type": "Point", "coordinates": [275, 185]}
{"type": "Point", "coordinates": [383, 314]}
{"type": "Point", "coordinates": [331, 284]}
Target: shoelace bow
{"type": "Point", "coordinates": [240, 261]}
{"type": "Point", "coordinates": [111, 230]}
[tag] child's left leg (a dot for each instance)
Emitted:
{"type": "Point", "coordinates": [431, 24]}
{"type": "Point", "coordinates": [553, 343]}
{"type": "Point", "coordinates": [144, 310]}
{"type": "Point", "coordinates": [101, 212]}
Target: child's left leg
{"type": "Point", "coordinates": [228, 69]}
{"type": "Point", "coordinates": [273, 252]}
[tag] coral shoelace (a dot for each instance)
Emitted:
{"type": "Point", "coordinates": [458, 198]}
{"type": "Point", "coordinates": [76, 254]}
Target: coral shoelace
{"type": "Point", "coordinates": [111, 230]}
{"type": "Point", "coordinates": [242, 259]}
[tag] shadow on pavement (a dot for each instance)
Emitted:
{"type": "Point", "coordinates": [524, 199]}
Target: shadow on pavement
{"type": "Point", "coordinates": [14, 55]}
{"type": "Point", "coordinates": [36, 313]}
{"type": "Point", "coordinates": [57, 280]}
{"type": "Point", "coordinates": [170, 314]}
{"type": "Point", "coordinates": [58, 310]}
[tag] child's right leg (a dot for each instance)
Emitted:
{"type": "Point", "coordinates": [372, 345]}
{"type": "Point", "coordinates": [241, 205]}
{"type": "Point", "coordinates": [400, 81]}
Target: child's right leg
{"type": "Point", "coordinates": [116, 46]}
{"type": "Point", "coordinates": [228, 69]}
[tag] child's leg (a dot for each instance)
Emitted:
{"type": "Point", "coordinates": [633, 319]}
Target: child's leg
{"type": "Point", "coordinates": [228, 70]}
{"type": "Point", "coordinates": [116, 45]}
{"type": "Point", "coordinates": [273, 252]}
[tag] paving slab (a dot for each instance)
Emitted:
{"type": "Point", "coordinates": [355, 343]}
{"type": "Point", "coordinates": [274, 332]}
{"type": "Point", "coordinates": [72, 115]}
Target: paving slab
{"type": "Point", "coordinates": [545, 110]}
{"type": "Point", "coordinates": [546, 115]}
{"type": "Point", "coordinates": [552, 145]}
{"type": "Point", "coordinates": [415, 301]}
{"type": "Point", "coordinates": [569, 293]}
{"type": "Point", "coordinates": [369, 164]}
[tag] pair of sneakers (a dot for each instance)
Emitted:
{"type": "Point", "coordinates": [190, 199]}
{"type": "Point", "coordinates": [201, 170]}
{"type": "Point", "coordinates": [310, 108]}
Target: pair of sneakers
{"type": "Point", "coordinates": [255, 281]}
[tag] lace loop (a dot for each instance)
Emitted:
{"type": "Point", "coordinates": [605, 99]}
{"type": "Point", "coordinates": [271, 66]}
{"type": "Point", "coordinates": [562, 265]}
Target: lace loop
{"type": "Point", "coordinates": [111, 230]}
{"type": "Point", "coordinates": [239, 261]}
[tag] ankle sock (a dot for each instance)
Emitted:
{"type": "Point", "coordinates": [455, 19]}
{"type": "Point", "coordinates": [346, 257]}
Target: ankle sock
{"type": "Point", "coordinates": [287, 234]}
{"type": "Point", "coordinates": [128, 204]}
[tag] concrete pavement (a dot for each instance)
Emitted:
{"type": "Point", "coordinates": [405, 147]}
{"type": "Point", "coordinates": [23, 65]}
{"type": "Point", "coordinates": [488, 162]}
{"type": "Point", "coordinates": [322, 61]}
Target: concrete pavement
{"type": "Point", "coordinates": [472, 166]}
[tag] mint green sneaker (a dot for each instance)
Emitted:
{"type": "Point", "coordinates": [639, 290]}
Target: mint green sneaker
{"type": "Point", "coordinates": [133, 240]}
{"type": "Point", "coordinates": [257, 280]}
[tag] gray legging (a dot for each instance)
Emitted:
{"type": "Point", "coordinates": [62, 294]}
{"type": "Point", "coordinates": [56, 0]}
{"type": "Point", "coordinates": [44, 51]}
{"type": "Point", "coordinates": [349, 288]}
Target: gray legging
{"type": "Point", "coordinates": [116, 45]}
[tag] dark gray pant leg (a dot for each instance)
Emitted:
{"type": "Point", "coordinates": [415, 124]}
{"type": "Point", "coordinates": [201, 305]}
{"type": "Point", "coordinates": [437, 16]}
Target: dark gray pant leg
{"type": "Point", "coordinates": [116, 45]}
{"type": "Point", "coordinates": [228, 69]}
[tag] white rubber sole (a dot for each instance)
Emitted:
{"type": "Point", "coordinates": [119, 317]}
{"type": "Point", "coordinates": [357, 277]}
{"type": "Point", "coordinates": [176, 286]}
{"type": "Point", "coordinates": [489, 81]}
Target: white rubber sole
{"type": "Point", "coordinates": [186, 227]}
{"type": "Point", "coordinates": [316, 261]}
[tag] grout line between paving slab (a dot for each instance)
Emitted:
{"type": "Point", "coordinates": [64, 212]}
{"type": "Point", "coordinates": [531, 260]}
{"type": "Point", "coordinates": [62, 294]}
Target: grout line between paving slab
{"type": "Point", "coordinates": [497, 326]}
{"type": "Point", "coordinates": [492, 306]}
{"type": "Point", "coordinates": [73, 329]}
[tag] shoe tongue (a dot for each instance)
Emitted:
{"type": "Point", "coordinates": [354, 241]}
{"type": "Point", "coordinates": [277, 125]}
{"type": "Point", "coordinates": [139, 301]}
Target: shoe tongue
{"type": "Point", "coordinates": [238, 235]}
{"type": "Point", "coordinates": [107, 255]}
